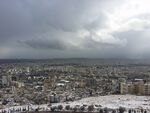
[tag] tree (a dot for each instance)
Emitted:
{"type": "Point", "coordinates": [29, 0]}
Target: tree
{"type": "Point", "coordinates": [28, 108]}
{"type": "Point", "coordinates": [67, 107]}
{"type": "Point", "coordinates": [129, 111]}
{"type": "Point", "coordinates": [82, 108]}
{"type": "Point", "coordinates": [37, 109]}
{"type": "Point", "coordinates": [113, 111]}
{"type": "Point", "coordinates": [106, 110]}
{"type": "Point", "coordinates": [134, 111]}
{"type": "Point", "coordinates": [101, 111]}
{"type": "Point", "coordinates": [23, 109]}
{"type": "Point", "coordinates": [60, 107]}
{"type": "Point", "coordinates": [142, 110]}
{"type": "Point", "coordinates": [91, 108]}
{"type": "Point", "coordinates": [121, 109]}
{"type": "Point", "coordinates": [75, 109]}
{"type": "Point", "coordinates": [4, 102]}
{"type": "Point", "coordinates": [53, 109]}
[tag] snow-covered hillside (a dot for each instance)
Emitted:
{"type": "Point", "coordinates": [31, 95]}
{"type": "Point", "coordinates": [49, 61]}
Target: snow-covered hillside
{"type": "Point", "coordinates": [114, 101]}
{"type": "Point", "coordinates": [110, 101]}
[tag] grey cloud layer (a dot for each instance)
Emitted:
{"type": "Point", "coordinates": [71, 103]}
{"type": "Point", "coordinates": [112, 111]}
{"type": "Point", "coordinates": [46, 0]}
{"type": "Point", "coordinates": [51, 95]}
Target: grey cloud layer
{"type": "Point", "coordinates": [71, 28]}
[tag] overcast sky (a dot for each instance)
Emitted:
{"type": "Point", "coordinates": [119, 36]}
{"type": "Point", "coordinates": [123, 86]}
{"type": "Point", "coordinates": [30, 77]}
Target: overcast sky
{"type": "Point", "coordinates": [74, 28]}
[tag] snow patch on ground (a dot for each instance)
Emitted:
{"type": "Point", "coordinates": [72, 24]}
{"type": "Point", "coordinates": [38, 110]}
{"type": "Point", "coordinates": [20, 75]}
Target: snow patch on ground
{"type": "Point", "coordinates": [110, 101]}
{"type": "Point", "coordinates": [114, 101]}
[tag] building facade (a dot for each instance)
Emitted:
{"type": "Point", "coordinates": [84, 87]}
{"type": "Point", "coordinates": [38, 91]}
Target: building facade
{"type": "Point", "coordinates": [137, 87]}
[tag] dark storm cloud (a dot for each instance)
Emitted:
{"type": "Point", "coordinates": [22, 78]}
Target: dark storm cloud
{"type": "Point", "coordinates": [21, 17]}
{"type": "Point", "coordinates": [74, 27]}
{"type": "Point", "coordinates": [46, 44]}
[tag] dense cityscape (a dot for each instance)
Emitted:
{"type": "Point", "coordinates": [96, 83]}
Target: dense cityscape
{"type": "Point", "coordinates": [49, 82]}
{"type": "Point", "coordinates": [74, 56]}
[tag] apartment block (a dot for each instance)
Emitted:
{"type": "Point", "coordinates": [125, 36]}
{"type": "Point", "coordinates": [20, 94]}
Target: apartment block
{"type": "Point", "coordinates": [137, 87]}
